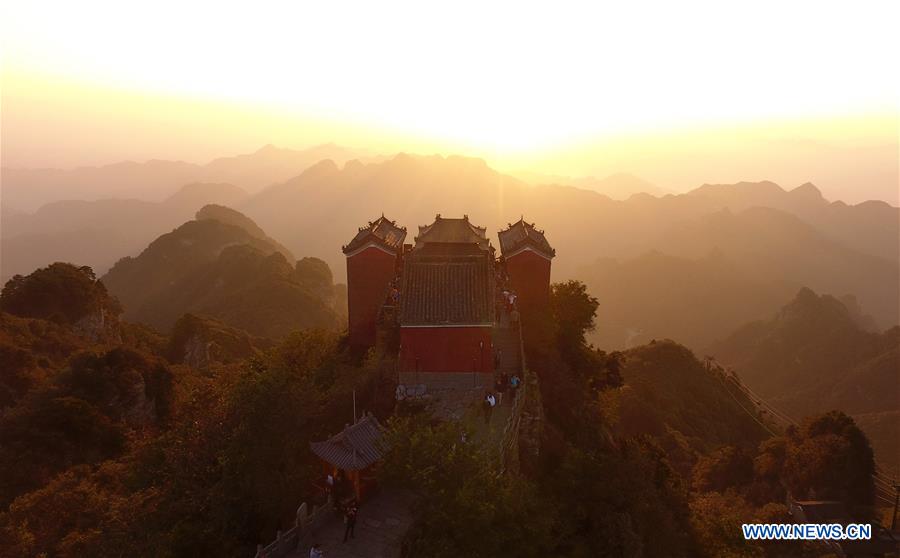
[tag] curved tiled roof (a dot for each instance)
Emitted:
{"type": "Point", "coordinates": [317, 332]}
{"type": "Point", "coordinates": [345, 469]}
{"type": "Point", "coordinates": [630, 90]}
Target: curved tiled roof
{"type": "Point", "coordinates": [521, 234]}
{"type": "Point", "coordinates": [381, 231]}
{"type": "Point", "coordinates": [452, 231]}
{"type": "Point", "coordinates": [355, 448]}
{"type": "Point", "coordinates": [447, 289]}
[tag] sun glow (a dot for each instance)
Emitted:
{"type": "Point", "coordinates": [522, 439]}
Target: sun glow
{"type": "Point", "coordinates": [518, 84]}
{"type": "Point", "coordinates": [499, 76]}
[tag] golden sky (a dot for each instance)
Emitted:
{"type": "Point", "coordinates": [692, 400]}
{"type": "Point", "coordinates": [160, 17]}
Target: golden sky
{"type": "Point", "coordinates": [580, 88]}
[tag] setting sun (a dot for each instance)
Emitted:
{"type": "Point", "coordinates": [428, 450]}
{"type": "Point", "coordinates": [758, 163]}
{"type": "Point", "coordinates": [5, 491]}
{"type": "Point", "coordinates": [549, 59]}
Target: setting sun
{"type": "Point", "coordinates": [500, 78]}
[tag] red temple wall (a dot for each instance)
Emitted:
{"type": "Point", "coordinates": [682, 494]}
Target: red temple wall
{"type": "Point", "coordinates": [529, 277]}
{"type": "Point", "coordinates": [368, 274]}
{"type": "Point", "coordinates": [446, 349]}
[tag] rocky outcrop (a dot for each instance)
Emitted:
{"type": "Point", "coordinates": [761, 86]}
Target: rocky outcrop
{"type": "Point", "coordinates": [99, 326]}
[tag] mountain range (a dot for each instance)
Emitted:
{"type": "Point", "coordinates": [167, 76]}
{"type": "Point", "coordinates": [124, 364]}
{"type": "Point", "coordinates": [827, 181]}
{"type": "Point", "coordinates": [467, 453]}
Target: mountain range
{"type": "Point", "coordinates": [26, 190]}
{"type": "Point", "coordinates": [756, 243]}
{"type": "Point", "coordinates": [222, 265]}
{"type": "Point", "coordinates": [819, 353]}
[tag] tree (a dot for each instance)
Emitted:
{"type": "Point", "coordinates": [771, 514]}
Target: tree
{"type": "Point", "coordinates": [829, 457]}
{"type": "Point", "coordinates": [724, 468]}
{"type": "Point", "coordinates": [573, 312]}
{"type": "Point", "coordinates": [125, 384]}
{"type": "Point", "coordinates": [61, 292]}
{"type": "Point", "coordinates": [465, 507]}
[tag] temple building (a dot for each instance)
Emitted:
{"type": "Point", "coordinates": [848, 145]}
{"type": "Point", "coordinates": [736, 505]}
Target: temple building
{"type": "Point", "coordinates": [373, 257]}
{"type": "Point", "coordinates": [527, 256]}
{"type": "Point", "coordinates": [443, 294]}
{"type": "Point", "coordinates": [447, 304]}
{"type": "Point", "coordinates": [350, 458]}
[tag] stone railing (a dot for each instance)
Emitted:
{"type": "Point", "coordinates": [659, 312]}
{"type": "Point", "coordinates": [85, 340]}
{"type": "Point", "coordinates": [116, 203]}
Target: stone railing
{"type": "Point", "coordinates": [510, 436]}
{"type": "Point", "coordinates": [304, 524]}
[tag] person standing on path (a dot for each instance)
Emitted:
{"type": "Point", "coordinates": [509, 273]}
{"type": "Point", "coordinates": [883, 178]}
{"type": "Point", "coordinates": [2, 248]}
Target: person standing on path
{"type": "Point", "coordinates": [316, 551]}
{"type": "Point", "coordinates": [488, 406]}
{"type": "Point", "coordinates": [514, 383]}
{"type": "Point", "coordinates": [350, 520]}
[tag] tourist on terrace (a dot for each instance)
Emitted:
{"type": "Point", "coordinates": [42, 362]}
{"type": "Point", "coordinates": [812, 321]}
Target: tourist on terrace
{"type": "Point", "coordinates": [499, 387]}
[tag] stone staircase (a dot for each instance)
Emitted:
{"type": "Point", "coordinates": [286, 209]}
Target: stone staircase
{"type": "Point", "coordinates": [506, 339]}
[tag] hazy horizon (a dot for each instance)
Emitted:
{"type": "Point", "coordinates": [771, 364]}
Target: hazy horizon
{"type": "Point", "coordinates": [837, 185]}
{"type": "Point", "coordinates": [574, 93]}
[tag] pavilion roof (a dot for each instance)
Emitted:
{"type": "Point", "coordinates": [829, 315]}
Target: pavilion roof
{"type": "Point", "coordinates": [452, 231]}
{"type": "Point", "coordinates": [381, 231]}
{"type": "Point", "coordinates": [354, 448]}
{"type": "Point", "coordinates": [521, 234]}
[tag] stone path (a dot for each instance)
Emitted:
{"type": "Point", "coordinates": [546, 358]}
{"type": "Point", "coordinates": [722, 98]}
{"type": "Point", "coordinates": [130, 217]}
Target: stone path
{"type": "Point", "coordinates": [380, 527]}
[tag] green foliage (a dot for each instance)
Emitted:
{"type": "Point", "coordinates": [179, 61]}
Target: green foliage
{"type": "Point", "coordinates": [82, 512]}
{"type": "Point", "coordinates": [125, 384]}
{"type": "Point", "coordinates": [716, 521]}
{"type": "Point", "coordinates": [623, 501]}
{"type": "Point", "coordinates": [17, 376]}
{"type": "Point", "coordinates": [726, 467]}
{"type": "Point", "coordinates": [572, 373]}
{"type": "Point", "coordinates": [829, 457]}
{"type": "Point", "coordinates": [51, 434]}
{"type": "Point", "coordinates": [465, 507]}
{"type": "Point", "coordinates": [220, 270]}
{"type": "Point", "coordinates": [573, 311]}
{"type": "Point", "coordinates": [669, 395]}
{"type": "Point", "coordinates": [60, 292]}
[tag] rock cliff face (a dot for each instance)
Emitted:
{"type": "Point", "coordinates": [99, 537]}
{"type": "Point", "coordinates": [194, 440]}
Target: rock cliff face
{"type": "Point", "coordinates": [201, 341]}
{"type": "Point", "coordinates": [99, 326]}
{"type": "Point", "coordinates": [139, 410]}
{"type": "Point", "coordinates": [196, 352]}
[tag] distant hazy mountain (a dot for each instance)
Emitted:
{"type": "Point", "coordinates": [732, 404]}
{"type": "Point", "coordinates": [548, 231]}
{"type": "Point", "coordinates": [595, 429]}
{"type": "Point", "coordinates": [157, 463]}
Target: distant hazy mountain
{"type": "Point", "coordinates": [657, 296]}
{"type": "Point", "coordinates": [871, 227]}
{"type": "Point", "coordinates": [229, 216]}
{"type": "Point", "coordinates": [619, 186]}
{"type": "Point", "coordinates": [97, 233]}
{"type": "Point", "coordinates": [230, 272]}
{"type": "Point", "coordinates": [29, 189]}
{"type": "Point", "coordinates": [318, 211]}
{"type": "Point", "coordinates": [769, 236]}
{"type": "Point", "coordinates": [769, 244]}
{"type": "Point", "coordinates": [817, 354]}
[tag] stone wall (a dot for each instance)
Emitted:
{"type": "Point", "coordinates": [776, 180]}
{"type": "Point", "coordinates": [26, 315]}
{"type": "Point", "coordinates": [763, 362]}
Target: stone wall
{"type": "Point", "coordinates": [305, 523]}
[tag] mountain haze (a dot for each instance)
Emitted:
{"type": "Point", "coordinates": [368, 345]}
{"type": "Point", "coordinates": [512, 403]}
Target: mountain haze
{"type": "Point", "coordinates": [223, 265]}
{"type": "Point", "coordinates": [28, 189]}
{"type": "Point", "coordinates": [817, 353]}
{"type": "Point", "coordinates": [97, 233]}
{"type": "Point", "coordinates": [755, 243]}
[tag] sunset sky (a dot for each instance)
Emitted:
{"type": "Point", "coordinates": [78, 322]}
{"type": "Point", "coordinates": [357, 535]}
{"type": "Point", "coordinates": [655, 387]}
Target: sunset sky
{"type": "Point", "coordinates": [676, 92]}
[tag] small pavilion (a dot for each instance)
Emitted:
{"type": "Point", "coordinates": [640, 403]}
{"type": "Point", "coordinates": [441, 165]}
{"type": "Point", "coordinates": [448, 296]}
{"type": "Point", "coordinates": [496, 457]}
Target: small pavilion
{"type": "Point", "coordinates": [351, 457]}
